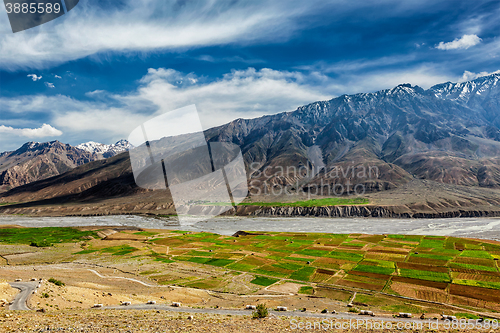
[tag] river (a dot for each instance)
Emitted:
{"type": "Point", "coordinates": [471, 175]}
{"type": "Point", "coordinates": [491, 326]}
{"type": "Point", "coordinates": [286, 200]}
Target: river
{"type": "Point", "coordinates": [485, 228]}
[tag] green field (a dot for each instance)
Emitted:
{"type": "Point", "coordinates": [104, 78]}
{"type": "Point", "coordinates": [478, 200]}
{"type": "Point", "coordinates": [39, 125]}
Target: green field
{"type": "Point", "coordinates": [374, 269]}
{"type": "Point", "coordinates": [263, 281]}
{"type": "Point", "coordinates": [307, 290]}
{"type": "Point", "coordinates": [425, 275]}
{"type": "Point", "coordinates": [302, 257]}
{"type": "Point", "coordinates": [264, 258]}
{"type": "Point", "coordinates": [120, 250]}
{"type": "Point", "coordinates": [305, 203]}
{"type": "Point", "coordinates": [43, 236]}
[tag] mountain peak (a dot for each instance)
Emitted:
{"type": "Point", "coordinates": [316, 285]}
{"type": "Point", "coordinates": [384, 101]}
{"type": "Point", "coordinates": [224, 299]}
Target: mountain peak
{"type": "Point", "coordinates": [469, 91]}
{"type": "Point", "coordinates": [106, 150]}
{"type": "Point", "coordinates": [36, 146]}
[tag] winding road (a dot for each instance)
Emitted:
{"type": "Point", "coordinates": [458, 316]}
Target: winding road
{"type": "Point", "coordinates": [21, 300]}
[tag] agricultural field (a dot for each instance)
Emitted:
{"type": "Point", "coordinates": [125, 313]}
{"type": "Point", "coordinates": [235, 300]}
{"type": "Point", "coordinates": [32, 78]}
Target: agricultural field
{"type": "Point", "coordinates": [463, 272]}
{"type": "Point", "coordinates": [303, 203]}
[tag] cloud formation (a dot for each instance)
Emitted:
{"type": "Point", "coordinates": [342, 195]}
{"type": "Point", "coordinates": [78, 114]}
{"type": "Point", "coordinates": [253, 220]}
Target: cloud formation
{"type": "Point", "coordinates": [463, 42]}
{"type": "Point", "coordinates": [107, 117]}
{"type": "Point", "coordinates": [42, 132]}
{"type": "Point", "coordinates": [34, 77]}
{"type": "Point", "coordinates": [468, 76]}
{"type": "Point", "coordinates": [49, 85]}
{"type": "Point", "coordinates": [240, 94]}
{"type": "Point", "coordinates": [150, 25]}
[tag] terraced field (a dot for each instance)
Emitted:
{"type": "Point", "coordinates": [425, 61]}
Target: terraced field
{"type": "Point", "coordinates": [445, 269]}
{"type": "Point", "coordinates": [423, 266]}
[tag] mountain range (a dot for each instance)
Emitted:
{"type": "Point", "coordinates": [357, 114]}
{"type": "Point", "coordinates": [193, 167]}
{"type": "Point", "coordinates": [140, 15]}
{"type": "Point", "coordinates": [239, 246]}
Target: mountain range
{"type": "Point", "coordinates": [434, 150]}
{"type": "Point", "coordinates": [105, 150]}
{"type": "Point", "coordinates": [36, 161]}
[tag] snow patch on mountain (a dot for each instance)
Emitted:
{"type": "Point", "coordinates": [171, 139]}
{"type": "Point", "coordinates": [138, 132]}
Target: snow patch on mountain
{"type": "Point", "coordinates": [105, 150]}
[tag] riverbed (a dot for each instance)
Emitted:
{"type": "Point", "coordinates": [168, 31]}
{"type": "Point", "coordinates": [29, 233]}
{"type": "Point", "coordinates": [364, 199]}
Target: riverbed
{"type": "Point", "coordinates": [485, 228]}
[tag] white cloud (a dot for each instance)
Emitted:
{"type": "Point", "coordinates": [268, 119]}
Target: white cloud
{"type": "Point", "coordinates": [246, 93]}
{"type": "Point", "coordinates": [34, 77]}
{"type": "Point", "coordinates": [365, 75]}
{"type": "Point", "coordinates": [108, 117]}
{"type": "Point", "coordinates": [44, 131]}
{"type": "Point", "coordinates": [424, 76]}
{"type": "Point", "coordinates": [49, 85]}
{"type": "Point", "coordinates": [151, 25]}
{"type": "Point", "coordinates": [249, 93]}
{"type": "Point", "coordinates": [57, 77]}
{"type": "Point", "coordinates": [468, 76]}
{"type": "Point", "coordinates": [464, 42]}
{"type": "Point", "coordinates": [95, 93]}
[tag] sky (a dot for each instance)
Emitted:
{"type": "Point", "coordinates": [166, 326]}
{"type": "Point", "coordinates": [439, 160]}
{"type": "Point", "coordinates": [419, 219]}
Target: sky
{"type": "Point", "coordinates": [105, 67]}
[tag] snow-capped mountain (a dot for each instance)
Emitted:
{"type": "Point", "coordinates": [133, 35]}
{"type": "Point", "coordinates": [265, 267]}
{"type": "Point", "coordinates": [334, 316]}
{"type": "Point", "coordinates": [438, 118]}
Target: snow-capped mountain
{"type": "Point", "coordinates": [465, 92]}
{"type": "Point", "coordinates": [105, 150]}
{"type": "Point", "coordinates": [40, 160]}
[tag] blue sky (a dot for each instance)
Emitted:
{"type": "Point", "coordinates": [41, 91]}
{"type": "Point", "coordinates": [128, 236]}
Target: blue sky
{"type": "Point", "coordinates": [107, 66]}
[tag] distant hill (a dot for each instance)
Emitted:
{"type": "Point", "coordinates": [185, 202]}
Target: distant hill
{"type": "Point", "coordinates": [449, 133]}
{"type": "Point", "coordinates": [35, 161]}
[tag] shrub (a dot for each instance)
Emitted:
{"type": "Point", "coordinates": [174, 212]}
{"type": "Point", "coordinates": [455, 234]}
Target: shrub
{"type": "Point", "coordinates": [354, 310]}
{"type": "Point", "coordinates": [40, 243]}
{"type": "Point", "coordinates": [56, 282]}
{"type": "Point", "coordinates": [45, 295]}
{"type": "Point", "coordinates": [261, 311]}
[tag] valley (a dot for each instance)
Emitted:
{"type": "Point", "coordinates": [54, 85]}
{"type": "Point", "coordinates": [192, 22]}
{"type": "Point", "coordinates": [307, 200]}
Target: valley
{"type": "Point", "coordinates": [308, 273]}
{"type": "Point", "coordinates": [404, 151]}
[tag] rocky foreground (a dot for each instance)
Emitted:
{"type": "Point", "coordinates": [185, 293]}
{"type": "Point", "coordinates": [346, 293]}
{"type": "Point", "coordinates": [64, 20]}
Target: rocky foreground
{"type": "Point", "coordinates": [128, 321]}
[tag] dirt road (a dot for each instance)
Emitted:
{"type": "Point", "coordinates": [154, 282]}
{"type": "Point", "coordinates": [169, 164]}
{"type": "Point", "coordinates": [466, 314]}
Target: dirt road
{"type": "Point", "coordinates": [21, 300]}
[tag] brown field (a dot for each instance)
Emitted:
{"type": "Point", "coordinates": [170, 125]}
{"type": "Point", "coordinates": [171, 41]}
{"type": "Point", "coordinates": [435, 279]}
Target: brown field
{"type": "Point", "coordinates": [343, 296]}
{"type": "Point", "coordinates": [425, 283]}
{"type": "Point", "coordinates": [371, 275]}
{"type": "Point", "coordinates": [331, 263]}
{"type": "Point", "coordinates": [322, 248]}
{"type": "Point", "coordinates": [473, 302]}
{"type": "Point", "coordinates": [376, 287]}
{"type": "Point", "coordinates": [385, 256]}
{"type": "Point", "coordinates": [472, 271]}
{"type": "Point", "coordinates": [400, 241]}
{"type": "Point", "coordinates": [421, 292]}
{"type": "Point", "coordinates": [483, 294]}
{"type": "Point", "coordinates": [365, 279]}
{"type": "Point", "coordinates": [393, 245]}
{"type": "Point", "coordinates": [427, 261]}
{"type": "Point", "coordinates": [325, 271]}
{"type": "Point", "coordinates": [382, 249]}
{"type": "Point", "coordinates": [349, 247]}
{"type": "Point", "coordinates": [421, 267]}
{"type": "Point", "coordinates": [318, 277]}
{"type": "Point", "coordinates": [169, 242]}
{"type": "Point", "coordinates": [475, 261]}
{"type": "Point", "coordinates": [476, 277]}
